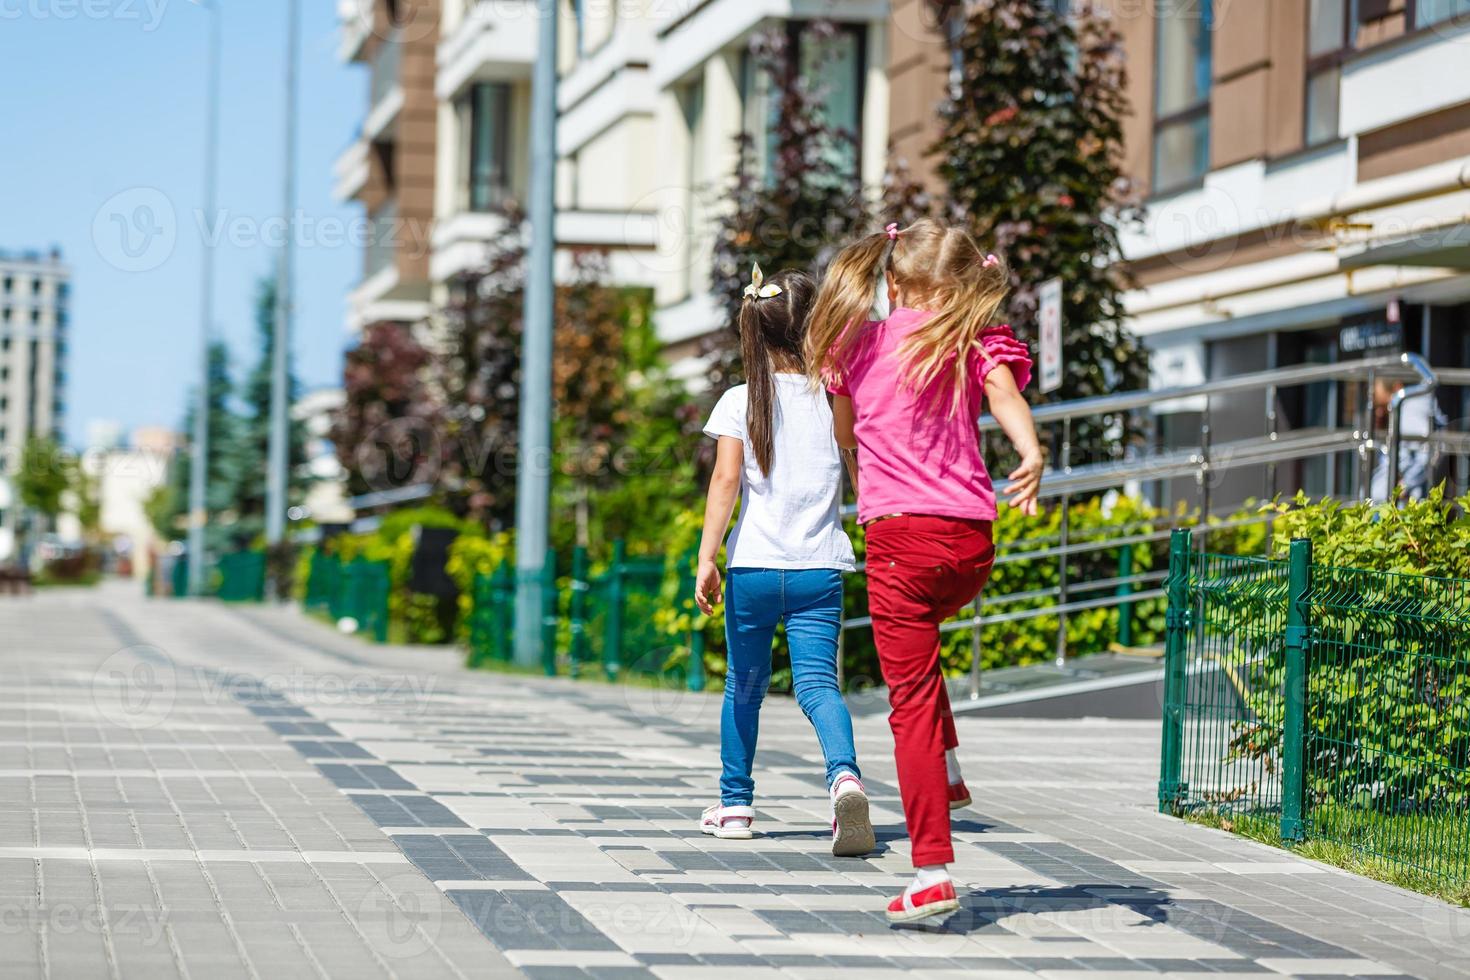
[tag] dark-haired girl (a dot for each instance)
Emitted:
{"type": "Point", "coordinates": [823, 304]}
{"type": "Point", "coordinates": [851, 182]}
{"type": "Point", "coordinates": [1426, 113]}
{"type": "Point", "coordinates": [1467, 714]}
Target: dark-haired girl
{"type": "Point", "coordinates": [785, 557]}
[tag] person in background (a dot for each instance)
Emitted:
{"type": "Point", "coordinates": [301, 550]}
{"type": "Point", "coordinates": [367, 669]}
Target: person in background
{"type": "Point", "coordinates": [1418, 417]}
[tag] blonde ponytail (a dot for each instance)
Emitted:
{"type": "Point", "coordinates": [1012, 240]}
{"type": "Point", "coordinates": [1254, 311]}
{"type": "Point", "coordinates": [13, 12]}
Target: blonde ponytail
{"type": "Point", "coordinates": [937, 268]}
{"type": "Point", "coordinates": [843, 302]}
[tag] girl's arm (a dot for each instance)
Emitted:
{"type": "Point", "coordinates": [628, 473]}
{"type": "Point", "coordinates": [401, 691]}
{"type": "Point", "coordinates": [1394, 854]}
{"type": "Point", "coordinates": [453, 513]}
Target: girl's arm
{"type": "Point", "coordinates": [1014, 416]}
{"type": "Point", "coordinates": [724, 485]}
{"type": "Point", "coordinates": [842, 420]}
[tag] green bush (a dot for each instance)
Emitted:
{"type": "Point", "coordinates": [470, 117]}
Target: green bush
{"type": "Point", "coordinates": [469, 556]}
{"type": "Point", "coordinates": [413, 617]}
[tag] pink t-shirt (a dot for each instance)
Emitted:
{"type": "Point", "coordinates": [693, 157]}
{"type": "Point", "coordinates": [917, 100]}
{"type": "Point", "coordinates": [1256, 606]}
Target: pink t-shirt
{"type": "Point", "coordinates": [914, 456]}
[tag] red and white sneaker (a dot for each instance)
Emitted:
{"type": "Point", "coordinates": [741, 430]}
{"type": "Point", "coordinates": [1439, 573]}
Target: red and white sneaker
{"type": "Point", "coordinates": [959, 796]}
{"type": "Point", "coordinates": [728, 822]}
{"type": "Point", "coordinates": [852, 828]}
{"type": "Point", "coordinates": [935, 900]}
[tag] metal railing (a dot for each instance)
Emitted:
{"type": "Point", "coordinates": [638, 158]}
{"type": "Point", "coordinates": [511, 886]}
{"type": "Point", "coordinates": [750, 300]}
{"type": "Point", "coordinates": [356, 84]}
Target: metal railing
{"type": "Point", "coordinates": [1136, 468]}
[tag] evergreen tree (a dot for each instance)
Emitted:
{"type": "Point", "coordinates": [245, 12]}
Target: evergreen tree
{"type": "Point", "coordinates": [1032, 152]}
{"type": "Point", "coordinates": [169, 508]}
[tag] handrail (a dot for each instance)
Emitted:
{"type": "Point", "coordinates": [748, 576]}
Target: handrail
{"type": "Point", "coordinates": [1279, 377]}
{"type": "Point", "coordinates": [1204, 462]}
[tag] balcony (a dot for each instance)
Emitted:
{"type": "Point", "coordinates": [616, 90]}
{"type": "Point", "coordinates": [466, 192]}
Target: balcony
{"type": "Point", "coordinates": [494, 41]}
{"type": "Point", "coordinates": [350, 172]}
{"type": "Point", "coordinates": [385, 93]}
{"type": "Point", "coordinates": [459, 243]}
{"type": "Point", "coordinates": [382, 294]}
{"type": "Point", "coordinates": [356, 19]}
{"type": "Point", "coordinates": [382, 246]}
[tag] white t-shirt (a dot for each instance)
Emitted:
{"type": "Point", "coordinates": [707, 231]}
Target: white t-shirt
{"type": "Point", "coordinates": [789, 519]}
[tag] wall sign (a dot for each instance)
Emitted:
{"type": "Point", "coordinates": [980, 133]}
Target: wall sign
{"type": "Point", "coordinates": [1049, 316]}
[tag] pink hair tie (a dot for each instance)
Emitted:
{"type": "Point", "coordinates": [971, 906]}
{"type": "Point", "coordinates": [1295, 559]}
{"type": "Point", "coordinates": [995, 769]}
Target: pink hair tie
{"type": "Point", "coordinates": [892, 230]}
{"type": "Point", "coordinates": [990, 260]}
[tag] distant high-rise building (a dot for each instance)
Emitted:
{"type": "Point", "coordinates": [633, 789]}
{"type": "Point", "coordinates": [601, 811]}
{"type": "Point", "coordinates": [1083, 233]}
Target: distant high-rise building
{"type": "Point", "coordinates": [33, 344]}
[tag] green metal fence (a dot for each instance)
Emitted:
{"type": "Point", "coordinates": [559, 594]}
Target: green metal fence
{"type": "Point", "coordinates": [241, 576]}
{"type": "Point", "coordinates": [355, 591]}
{"type": "Point", "coordinates": [1333, 702]}
{"type": "Point", "coordinates": [492, 617]}
{"type": "Point", "coordinates": [323, 581]}
{"type": "Point", "coordinates": [605, 621]}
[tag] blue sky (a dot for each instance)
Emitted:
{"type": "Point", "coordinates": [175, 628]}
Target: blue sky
{"type": "Point", "coordinates": [102, 116]}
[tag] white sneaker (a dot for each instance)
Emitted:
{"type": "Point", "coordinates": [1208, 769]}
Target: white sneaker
{"type": "Point", "coordinates": [852, 829]}
{"type": "Point", "coordinates": [728, 822]}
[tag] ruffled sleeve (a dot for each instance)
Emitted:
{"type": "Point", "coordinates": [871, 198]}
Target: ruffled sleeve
{"type": "Point", "coordinates": [998, 345]}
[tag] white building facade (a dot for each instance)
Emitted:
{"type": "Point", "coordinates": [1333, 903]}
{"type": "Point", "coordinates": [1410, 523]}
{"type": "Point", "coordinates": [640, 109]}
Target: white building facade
{"type": "Point", "coordinates": [652, 98]}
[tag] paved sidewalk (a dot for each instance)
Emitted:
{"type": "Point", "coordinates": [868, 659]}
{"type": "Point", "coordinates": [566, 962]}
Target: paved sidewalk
{"type": "Point", "coordinates": [195, 791]}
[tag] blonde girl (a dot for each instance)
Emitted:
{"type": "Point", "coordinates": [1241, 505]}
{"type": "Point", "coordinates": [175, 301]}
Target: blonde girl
{"type": "Point", "coordinates": [907, 391]}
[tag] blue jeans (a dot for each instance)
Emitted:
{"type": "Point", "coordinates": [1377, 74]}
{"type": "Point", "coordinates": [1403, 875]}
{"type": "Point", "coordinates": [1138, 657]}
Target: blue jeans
{"type": "Point", "coordinates": [809, 602]}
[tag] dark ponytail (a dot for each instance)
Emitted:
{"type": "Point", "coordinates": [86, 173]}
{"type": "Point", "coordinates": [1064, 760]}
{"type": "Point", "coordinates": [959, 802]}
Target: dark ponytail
{"type": "Point", "coordinates": [771, 326]}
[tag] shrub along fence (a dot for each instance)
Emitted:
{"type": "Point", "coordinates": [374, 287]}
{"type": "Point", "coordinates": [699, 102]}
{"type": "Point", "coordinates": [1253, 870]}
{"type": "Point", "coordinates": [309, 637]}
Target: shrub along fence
{"type": "Point", "coordinates": [1333, 702]}
{"type": "Point", "coordinates": [617, 614]}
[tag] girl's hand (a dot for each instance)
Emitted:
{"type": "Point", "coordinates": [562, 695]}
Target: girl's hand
{"type": "Point", "coordinates": [707, 589]}
{"type": "Point", "coordinates": [1025, 481]}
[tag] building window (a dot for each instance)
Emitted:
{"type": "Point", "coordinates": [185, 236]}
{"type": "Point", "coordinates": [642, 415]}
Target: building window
{"type": "Point", "coordinates": [485, 130]}
{"type": "Point", "coordinates": [1427, 13]}
{"type": "Point", "coordinates": [1329, 38]}
{"type": "Point", "coordinates": [835, 68]}
{"type": "Point", "coordinates": [1181, 151]}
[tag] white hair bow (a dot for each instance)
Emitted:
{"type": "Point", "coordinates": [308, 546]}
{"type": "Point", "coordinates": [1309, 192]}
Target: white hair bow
{"type": "Point", "coordinates": [758, 288]}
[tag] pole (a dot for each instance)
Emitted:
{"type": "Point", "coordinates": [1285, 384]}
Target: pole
{"type": "Point", "coordinates": [199, 464]}
{"type": "Point", "coordinates": [1176, 649]}
{"type": "Point", "coordinates": [278, 451]}
{"type": "Point", "coordinates": [533, 482]}
{"type": "Point", "coordinates": [1294, 716]}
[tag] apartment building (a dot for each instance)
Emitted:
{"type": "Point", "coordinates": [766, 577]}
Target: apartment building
{"type": "Point", "coordinates": [390, 165]}
{"type": "Point", "coordinates": [33, 341]}
{"type": "Point", "coordinates": [651, 100]}
{"type": "Point", "coordinates": [1306, 169]}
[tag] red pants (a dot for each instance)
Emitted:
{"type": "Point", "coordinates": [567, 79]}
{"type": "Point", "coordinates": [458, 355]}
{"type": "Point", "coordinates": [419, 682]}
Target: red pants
{"type": "Point", "coordinates": [921, 571]}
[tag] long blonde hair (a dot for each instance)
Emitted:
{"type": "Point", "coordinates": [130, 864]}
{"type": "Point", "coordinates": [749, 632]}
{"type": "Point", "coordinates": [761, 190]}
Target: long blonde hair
{"type": "Point", "coordinates": [934, 265]}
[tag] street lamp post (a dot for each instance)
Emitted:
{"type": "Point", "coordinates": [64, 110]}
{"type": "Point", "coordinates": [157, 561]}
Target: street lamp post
{"type": "Point", "coordinates": [199, 463]}
{"type": "Point", "coordinates": [533, 480]}
{"type": "Point", "coordinates": [278, 452]}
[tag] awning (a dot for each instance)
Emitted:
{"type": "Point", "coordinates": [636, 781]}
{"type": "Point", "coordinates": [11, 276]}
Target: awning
{"type": "Point", "coordinates": [1440, 248]}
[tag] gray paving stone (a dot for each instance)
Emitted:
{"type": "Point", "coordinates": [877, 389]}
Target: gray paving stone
{"type": "Point", "coordinates": [293, 791]}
